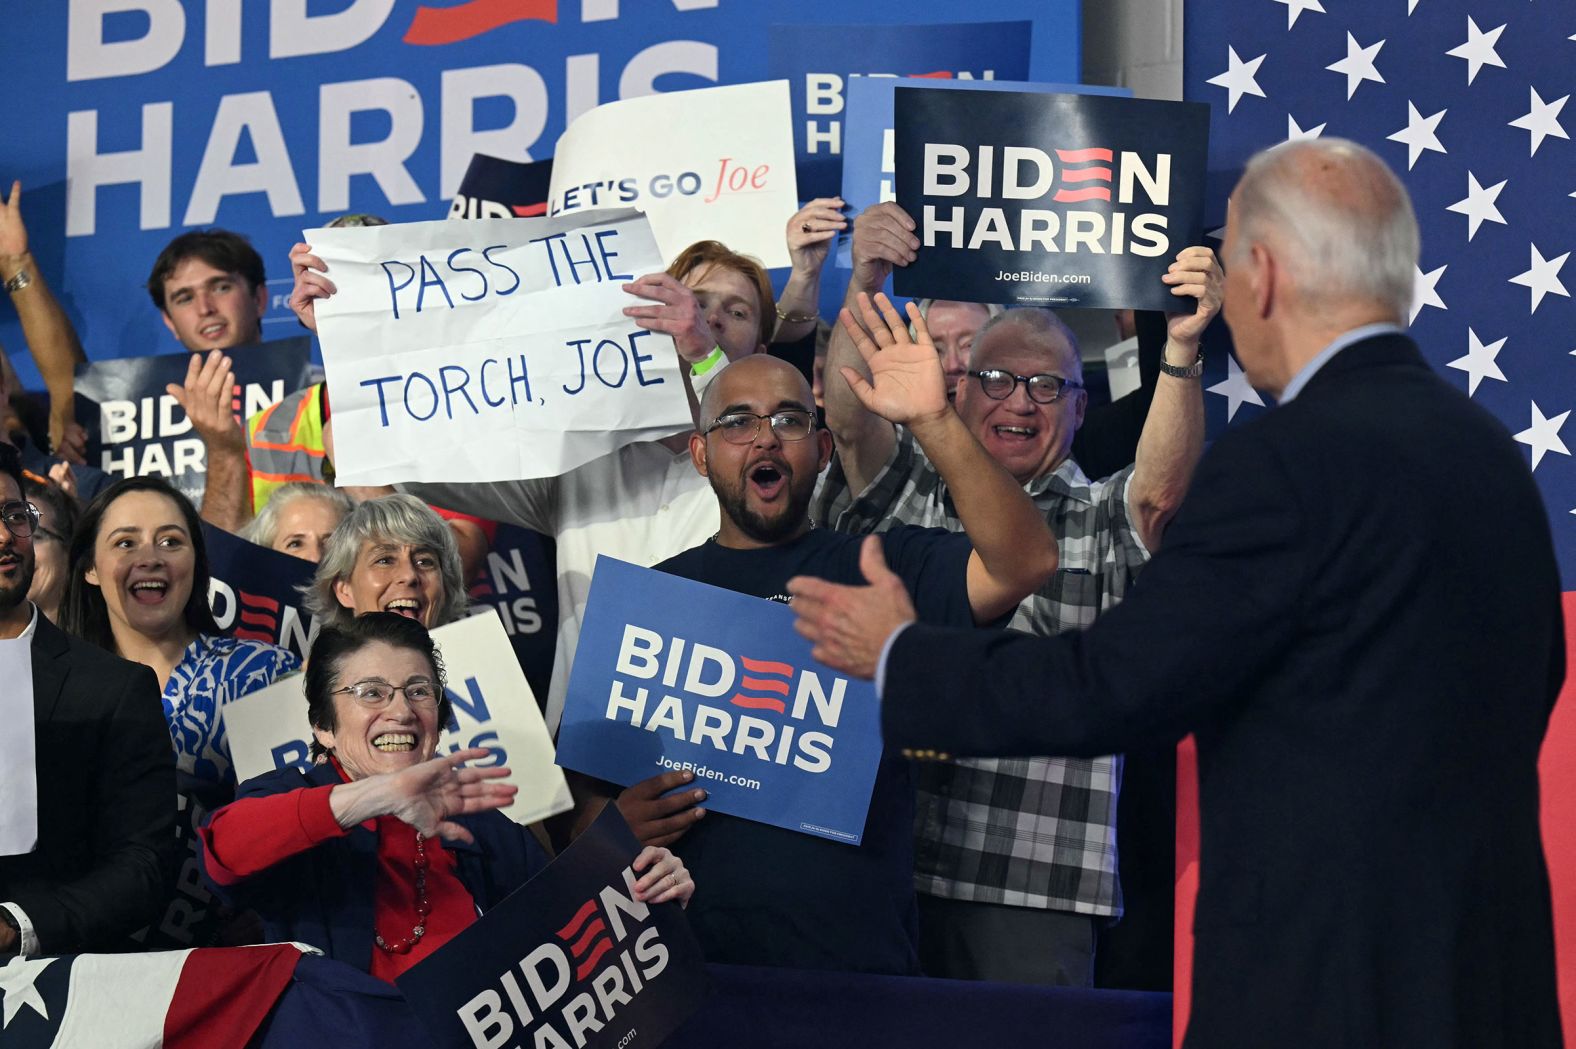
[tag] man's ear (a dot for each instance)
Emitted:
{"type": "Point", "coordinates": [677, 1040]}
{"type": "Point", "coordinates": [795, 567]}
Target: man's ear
{"type": "Point", "coordinates": [260, 297]}
{"type": "Point", "coordinates": [697, 450]}
{"type": "Point", "coordinates": [823, 438]}
{"type": "Point", "coordinates": [1261, 279]}
{"type": "Point", "coordinates": [165, 315]}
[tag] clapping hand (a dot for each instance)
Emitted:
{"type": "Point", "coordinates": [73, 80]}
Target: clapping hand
{"type": "Point", "coordinates": [427, 796]}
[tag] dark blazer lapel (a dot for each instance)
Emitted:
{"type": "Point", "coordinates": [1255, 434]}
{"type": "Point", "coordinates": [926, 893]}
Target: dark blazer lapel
{"type": "Point", "coordinates": [50, 668]}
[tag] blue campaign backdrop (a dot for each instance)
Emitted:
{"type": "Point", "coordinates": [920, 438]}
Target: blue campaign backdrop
{"type": "Point", "coordinates": [821, 66]}
{"type": "Point", "coordinates": [730, 693]}
{"type": "Point", "coordinates": [148, 116]}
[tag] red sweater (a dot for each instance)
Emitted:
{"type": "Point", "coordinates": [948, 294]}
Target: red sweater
{"type": "Point", "coordinates": [253, 834]}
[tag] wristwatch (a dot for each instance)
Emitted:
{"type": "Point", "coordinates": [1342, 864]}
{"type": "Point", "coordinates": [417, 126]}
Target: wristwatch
{"type": "Point", "coordinates": [1192, 371]}
{"type": "Point", "coordinates": [18, 282]}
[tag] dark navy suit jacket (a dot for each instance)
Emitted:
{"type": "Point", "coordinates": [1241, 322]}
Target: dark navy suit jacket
{"type": "Point", "coordinates": [324, 896]}
{"type": "Point", "coordinates": [1357, 613]}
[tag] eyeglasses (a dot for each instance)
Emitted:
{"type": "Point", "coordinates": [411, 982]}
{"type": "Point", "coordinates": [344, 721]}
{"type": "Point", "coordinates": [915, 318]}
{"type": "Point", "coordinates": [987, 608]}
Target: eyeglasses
{"type": "Point", "coordinates": [1043, 389]}
{"type": "Point", "coordinates": [20, 519]}
{"type": "Point", "coordinates": [741, 427]}
{"type": "Point", "coordinates": [379, 694]}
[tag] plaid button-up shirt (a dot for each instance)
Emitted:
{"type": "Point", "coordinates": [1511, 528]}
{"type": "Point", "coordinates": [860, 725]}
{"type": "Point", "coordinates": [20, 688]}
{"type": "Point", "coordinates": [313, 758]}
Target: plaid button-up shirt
{"type": "Point", "coordinates": [1027, 832]}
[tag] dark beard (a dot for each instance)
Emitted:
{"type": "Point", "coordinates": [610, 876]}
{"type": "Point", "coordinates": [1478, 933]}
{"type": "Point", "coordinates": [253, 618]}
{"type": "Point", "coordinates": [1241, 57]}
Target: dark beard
{"type": "Point", "coordinates": [768, 531]}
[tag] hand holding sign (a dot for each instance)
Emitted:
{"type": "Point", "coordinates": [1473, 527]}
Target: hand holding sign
{"type": "Point", "coordinates": [679, 315]}
{"type": "Point", "coordinates": [310, 285]}
{"type": "Point", "coordinates": [811, 231]}
{"type": "Point", "coordinates": [1196, 272]}
{"type": "Point", "coordinates": [906, 386]}
{"type": "Point", "coordinates": [668, 881]}
{"type": "Point", "coordinates": [657, 817]}
{"type": "Point", "coordinates": [427, 795]}
{"type": "Point", "coordinates": [883, 238]}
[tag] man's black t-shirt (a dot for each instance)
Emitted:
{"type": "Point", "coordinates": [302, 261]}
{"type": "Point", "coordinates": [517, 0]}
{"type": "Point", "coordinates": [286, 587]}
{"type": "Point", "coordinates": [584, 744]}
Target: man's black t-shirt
{"type": "Point", "coordinates": [769, 896]}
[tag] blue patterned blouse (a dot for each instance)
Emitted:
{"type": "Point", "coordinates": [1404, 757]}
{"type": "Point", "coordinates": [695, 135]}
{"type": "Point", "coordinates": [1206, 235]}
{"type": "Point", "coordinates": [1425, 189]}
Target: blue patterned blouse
{"type": "Point", "coordinates": [213, 671]}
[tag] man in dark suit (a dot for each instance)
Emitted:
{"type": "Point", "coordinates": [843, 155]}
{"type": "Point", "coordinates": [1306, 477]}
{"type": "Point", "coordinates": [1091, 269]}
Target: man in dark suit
{"type": "Point", "coordinates": [105, 774]}
{"type": "Point", "coordinates": [1356, 611]}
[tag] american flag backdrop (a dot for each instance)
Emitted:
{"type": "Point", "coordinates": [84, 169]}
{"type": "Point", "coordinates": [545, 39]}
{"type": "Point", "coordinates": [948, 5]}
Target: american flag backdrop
{"type": "Point", "coordinates": [1468, 100]}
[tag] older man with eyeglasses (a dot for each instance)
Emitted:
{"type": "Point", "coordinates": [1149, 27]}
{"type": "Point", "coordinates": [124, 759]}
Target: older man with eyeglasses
{"type": "Point", "coordinates": [105, 773]}
{"type": "Point", "coordinates": [1017, 858]}
{"type": "Point", "coordinates": [773, 896]}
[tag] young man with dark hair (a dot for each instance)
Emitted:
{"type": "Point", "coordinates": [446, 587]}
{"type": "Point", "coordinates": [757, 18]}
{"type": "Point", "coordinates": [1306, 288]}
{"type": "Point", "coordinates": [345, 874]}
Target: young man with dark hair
{"type": "Point", "coordinates": [211, 290]}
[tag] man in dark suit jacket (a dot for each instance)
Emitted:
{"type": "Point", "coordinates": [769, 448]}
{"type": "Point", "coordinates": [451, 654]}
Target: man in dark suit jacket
{"type": "Point", "coordinates": [1356, 611]}
{"type": "Point", "coordinates": [105, 773]}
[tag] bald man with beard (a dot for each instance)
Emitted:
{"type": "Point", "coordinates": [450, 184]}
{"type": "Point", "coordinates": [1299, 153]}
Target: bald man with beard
{"type": "Point", "coordinates": [773, 896]}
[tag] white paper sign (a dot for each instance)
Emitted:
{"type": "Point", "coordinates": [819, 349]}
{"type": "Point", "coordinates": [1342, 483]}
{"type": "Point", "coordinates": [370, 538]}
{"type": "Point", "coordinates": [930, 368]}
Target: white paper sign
{"type": "Point", "coordinates": [716, 163]}
{"type": "Point", "coordinates": [493, 707]}
{"type": "Point", "coordinates": [491, 350]}
{"type": "Point", "coordinates": [18, 757]}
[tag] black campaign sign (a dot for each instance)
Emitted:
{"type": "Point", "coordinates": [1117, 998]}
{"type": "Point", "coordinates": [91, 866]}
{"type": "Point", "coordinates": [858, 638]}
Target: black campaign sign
{"type": "Point", "coordinates": [1048, 200]}
{"type": "Point", "coordinates": [569, 961]}
{"type": "Point", "coordinates": [136, 429]}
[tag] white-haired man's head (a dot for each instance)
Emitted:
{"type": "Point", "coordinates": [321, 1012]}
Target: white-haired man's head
{"type": "Point", "coordinates": [1320, 238]}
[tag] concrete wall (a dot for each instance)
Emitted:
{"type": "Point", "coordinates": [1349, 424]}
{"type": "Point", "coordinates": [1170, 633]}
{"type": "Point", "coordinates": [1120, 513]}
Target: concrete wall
{"type": "Point", "coordinates": [1135, 44]}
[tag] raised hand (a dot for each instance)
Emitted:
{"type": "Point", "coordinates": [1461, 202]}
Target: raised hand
{"type": "Point", "coordinates": [1195, 273]}
{"type": "Point", "coordinates": [657, 819]}
{"type": "Point", "coordinates": [811, 231]}
{"type": "Point", "coordinates": [667, 879]}
{"type": "Point", "coordinates": [849, 625]}
{"type": "Point", "coordinates": [677, 313]}
{"type": "Point", "coordinates": [310, 284]}
{"type": "Point", "coordinates": [906, 382]}
{"type": "Point", "coordinates": [207, 396]}
{"type": "Point", "coordinates": [13, 233]}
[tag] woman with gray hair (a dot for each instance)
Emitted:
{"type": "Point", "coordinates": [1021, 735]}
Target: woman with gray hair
{"type": "Point", "coordinates": [298, 519]}
{"type": "Point", "coordinates": [391, 554]}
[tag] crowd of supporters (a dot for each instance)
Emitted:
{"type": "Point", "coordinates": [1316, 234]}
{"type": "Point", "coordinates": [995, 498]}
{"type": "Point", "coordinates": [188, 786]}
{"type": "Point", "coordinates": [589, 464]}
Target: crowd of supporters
{"type": "Point", "coordinates": [964, 433]}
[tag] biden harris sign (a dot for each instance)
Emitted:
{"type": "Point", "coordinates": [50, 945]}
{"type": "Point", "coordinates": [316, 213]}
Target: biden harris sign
{"type": "Point", "coordinates": [726, 690]}
{"type": "Point", "coordinates": [571, 960]}
{"type": "Point", "coordinates": [1048, 200]}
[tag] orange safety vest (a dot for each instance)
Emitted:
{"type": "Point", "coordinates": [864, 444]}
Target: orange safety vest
{"type": "Point", "coordinates": [284, 443]}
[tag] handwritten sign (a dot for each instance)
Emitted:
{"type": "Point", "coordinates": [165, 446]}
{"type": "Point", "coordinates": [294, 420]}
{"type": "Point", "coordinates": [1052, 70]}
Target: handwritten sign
{"type": "Point", "coordinates": [1048, 200]}
{"type": "Point", "coordinates": [491, 350]}
{"type": "Point", "coordinates": [18, 758]}
{"type": "Point", "coordinates": [492, 707]}
{"type": "Point", "coordinates": [731, 694]}
{"type": "Point", "coordinates": [711, 164]}
{"type": "Point", "coordinates": [571, 958]}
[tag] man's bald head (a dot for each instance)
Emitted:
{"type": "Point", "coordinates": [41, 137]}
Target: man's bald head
{"type": "Point", "coordinates": [740, 382]}
{"type": "Point", "coordinates": [1338, 221]}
